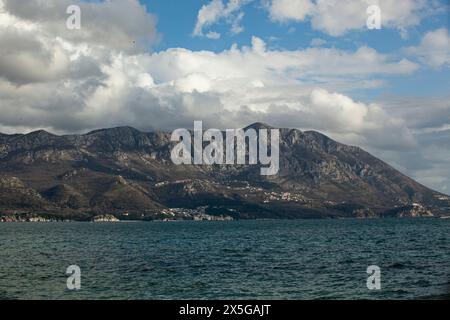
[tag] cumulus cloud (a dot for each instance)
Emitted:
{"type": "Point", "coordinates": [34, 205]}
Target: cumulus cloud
{"type": "Point", "coordinates": [60, 79]}
{"type": "Point", "coordinates": [236, 86]}
{"type": "Point", "coordinates": [296, 10]}
{"type": "Point", "coordinates": [235, 68]}
{"type": "Point", "coordinates": [105, 23]}
{"type": "Point", "coordinates": [338, 17]}
{"type": "Point", "coordinates": [37, 45]}
{"type": "Point", "coordinates": [25, 58]}
{"type": "Point", "coordinates": [434, 49]}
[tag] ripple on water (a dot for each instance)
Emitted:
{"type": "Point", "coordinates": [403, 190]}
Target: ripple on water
{"type": "Point", "coordinates": [304, 259]}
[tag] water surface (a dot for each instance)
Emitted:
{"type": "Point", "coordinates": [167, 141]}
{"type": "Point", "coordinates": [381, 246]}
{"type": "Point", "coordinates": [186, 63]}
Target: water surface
{"type": "Point", "coordinates": [300, 259]}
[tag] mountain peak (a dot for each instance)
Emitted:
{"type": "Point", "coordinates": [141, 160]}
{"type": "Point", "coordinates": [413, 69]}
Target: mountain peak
{"type": "Point", "coordinates": [116, 130]}
{"type": "Point", "coordinates": [40, 133]}
{"type": "Point", "coordinates": [258, 126]}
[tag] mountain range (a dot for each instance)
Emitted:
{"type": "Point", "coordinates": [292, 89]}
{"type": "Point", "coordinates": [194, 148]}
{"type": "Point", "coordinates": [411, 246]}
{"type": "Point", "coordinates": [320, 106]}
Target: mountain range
{"type": "Point", "coordinates": [128, 174]}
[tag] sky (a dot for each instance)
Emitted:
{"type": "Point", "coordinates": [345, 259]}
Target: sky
{"type": "Point", "coordinates": [307, 64]}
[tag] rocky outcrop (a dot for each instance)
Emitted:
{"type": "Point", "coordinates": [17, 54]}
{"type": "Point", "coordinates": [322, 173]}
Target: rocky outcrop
{"type": "Point", "coordinates": [414, 210]}
{"type": "Point", "coordinates": [105, 218]}
{"type": "Point", "coordinates": [15, 194]}
{"type": "Point", "coordinates": [25, 218]}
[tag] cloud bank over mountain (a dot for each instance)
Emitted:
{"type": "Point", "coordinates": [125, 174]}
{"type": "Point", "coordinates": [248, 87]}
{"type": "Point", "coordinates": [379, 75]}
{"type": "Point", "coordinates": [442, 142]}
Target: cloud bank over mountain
{"type": "Point", "coordinates": [107, 74]}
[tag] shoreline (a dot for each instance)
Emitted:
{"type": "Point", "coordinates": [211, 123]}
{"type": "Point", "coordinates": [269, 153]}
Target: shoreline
{"type": "Point", "coordinates": [234, 220]}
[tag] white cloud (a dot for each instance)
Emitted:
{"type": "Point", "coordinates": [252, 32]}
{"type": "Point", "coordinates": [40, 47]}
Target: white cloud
{"type": "Point", "coordinates": [213, 35]}
{"type": "Point", "coordinates": [337, 17]}
{"type": "Point", "coordinates": [69, 82]}
{"type": "Point", "coordinates": [208, 15]}
{"type": "Point", "coordinates": [216, 11]}
{"type": "Point", "coordinates": [257, 62]}
{"type": "Point", "coordinates": [434, 49]}
{"type": "Point", "coordinates": [37, 46]}
{"type": "Point", "coordinates": [176, 86]}
{"type": "Point", "coordinates": [105, 23]}
{"type": "Point", "coordinates": [296, 10]}
{"type": "Point", "coordinates": [236, 26]}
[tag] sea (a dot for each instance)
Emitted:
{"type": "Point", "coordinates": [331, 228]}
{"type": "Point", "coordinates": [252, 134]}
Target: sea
{"type": "Point", "coordinates": [256, 259]}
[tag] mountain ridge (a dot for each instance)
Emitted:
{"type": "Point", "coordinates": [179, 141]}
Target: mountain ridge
{"type": "Point", "coordinates": [129, 173]}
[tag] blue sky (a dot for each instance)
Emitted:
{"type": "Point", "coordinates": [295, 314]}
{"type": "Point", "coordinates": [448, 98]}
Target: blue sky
{"type": "Point", "coordinates": [176, 20]}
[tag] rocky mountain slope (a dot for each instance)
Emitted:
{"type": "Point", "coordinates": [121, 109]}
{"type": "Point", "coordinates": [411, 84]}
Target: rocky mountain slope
{"type": "Point", "coordinates": [128, 173]}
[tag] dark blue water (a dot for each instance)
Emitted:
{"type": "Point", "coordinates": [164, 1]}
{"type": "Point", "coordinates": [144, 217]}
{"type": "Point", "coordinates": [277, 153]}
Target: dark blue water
{"type": "Point", "coordinates": [302, 259]}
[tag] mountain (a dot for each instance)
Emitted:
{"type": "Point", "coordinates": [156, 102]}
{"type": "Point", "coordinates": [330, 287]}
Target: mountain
{"type": "Point", "coordinates": [128, 173]}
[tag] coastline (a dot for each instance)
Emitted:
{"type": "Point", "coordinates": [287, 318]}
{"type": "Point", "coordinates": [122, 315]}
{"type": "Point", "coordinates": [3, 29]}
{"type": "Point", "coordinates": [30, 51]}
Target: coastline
{"type": "Point", "coordinates": [54, 220]}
